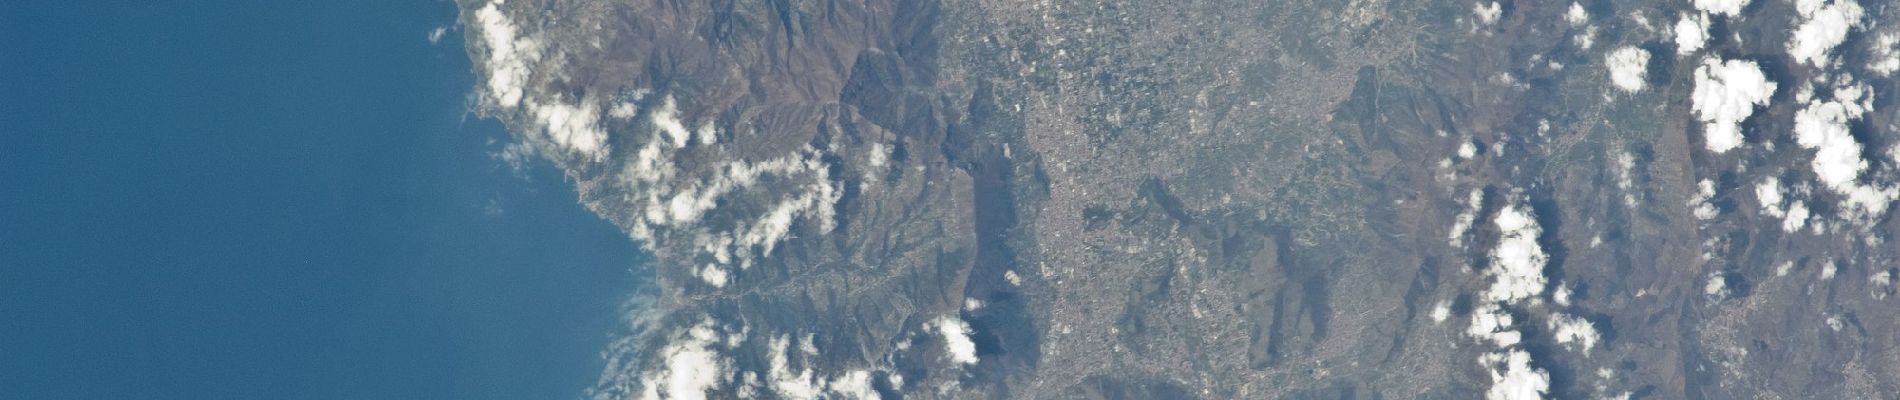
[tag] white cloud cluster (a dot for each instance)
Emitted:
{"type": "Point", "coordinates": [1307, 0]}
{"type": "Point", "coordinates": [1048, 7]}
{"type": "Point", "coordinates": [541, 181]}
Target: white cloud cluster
{"type": "Point", "coordinates": [1440, 311]}
{"type": "Point", "coordinates": [1625, 182]}
{"type": "Point", "coordinates": [1517, 277]}
{"type": "Point", "coordinates": [1884, 54]}
{"type": "Point", "coordinates": [573, 128]}
{"type": "Point", "coordinates": [1573, 331]}
{"type": "Point", "coordinates": [667, 200]}
{"type": "Point", "coordinates": [1823, 126]}
{"type": "Point", "coordinates": [1704, 209]}
{"type": "Point", "coordinates": [1727, 92]}
{"type": "Point", "coordinates": [690, 366]}
{"type": "Point", "coordinates": [1488, 12]}
{"type": "Point", "coordinates": [787, 381]}
{"type": "Point", "coordinates": [1716, 285]}
{"type": "Point", "coordinates": [1881, 281]}
{"type": "Point", "coordinates": [1513, 378]}
{"type": "Point", "coordinates": [1517, 263]}
{"type": "Point", "coordinates": [956, 339]}
{"type": "Point", "coordinates": [1774, 203]}
{"type": "Point", "coordinates": [1577, 16]}
{"type": "Point", "coordinates": [1692, 32]}
{"type": "Point", "coordinates": [1768, 193]}
{"type": "Point", "coordinates": [1461, 225]}
{"type": "Point", "coordinates": [1730, 8]}
{"type": "Point", "coordinates": [1824, 25]}
{"type": "Point", "coordinates": [1491, 322]}
{"type": "Point", "coordinates": [1627, 66]}
{"type": "Point", "coordinates": [670, 201]}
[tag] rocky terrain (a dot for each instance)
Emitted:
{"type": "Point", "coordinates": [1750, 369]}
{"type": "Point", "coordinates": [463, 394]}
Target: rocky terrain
{"type": "Point", "coordinates": [1226, 199]}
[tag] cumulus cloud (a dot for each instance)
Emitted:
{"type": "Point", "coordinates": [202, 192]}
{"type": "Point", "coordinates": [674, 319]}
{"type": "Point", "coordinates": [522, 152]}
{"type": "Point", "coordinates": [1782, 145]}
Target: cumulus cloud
{"type": "Point", "coordinates": [690, 366]}
{"type": "Point", "coordinates": [1577, 16]}
{"type": "Point", "coordinates": [1884, 55]}
{"type": "Point", "coordinates": [1513, 378]}
{"type": "Point", "coordinates": [1880, 282]}
{"type": "Point", "coordinates": [1692, 32]}
{"type": "Point", "coordinates": [1487, 12]}
{"type": "Point", "coordinates": [1461, 225]}
{"type": "Point", "coordinates": [1625, 168]}
{"type": "Point", "coordinates": [956, 339]}
{"type": "Point", "coordinates": [1573, 331]}
{"type": "Point", "coordinates": [1716, 285]}
{"type": "Point", "coordinates": [1768, 193]}
{"type": "Point", "coordinates": [1727, 92]}
{"type": "Point", "coordinates": [1704, 209]}
{"type": "Point", "coordinates": [1797, 217]}
{"type": "Point", "coordinates": [1824, 25]}
{"type": "Point", "coordinates": [1441, 311]}
{"type": "Point", "coordinates": [1722, 7]}
{"type": "Point", "coordinates": [1627, 66]}
{"type": "Point", "coordinates": [853, 385]}
{"type": "Point", "coordinates": [1823, 126]}
{"type": "Point", "coordinates": [512, 56]}
{"type": "Point", "coordinates": [1491, 322]}
{"type": "Point", "coordinates": [787, 382]}
{"type": "Point", "coordinates": [1517, 263]}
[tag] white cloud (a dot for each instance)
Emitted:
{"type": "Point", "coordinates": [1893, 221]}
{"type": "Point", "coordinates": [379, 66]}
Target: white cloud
{"type": "Point", "coordinates": [1824, 24]}
{"type": "Point", "coordinates": [972, 304]}
{"type": "Point", "coordinates": [1461, 225]}
{"type": "Point", "coordinates": [1797, 217]}
{"type": "Point", "coordinates": [1716, 285]}
{"type": "Point", "coordinates": [1587, 38]}
{"type": "Point", "coordinates": [878, 156]}
{"type": "Point", "coordinates": [1517, 263]}
{"type": "Point", "coordinates": [1625, 167]}
{"type": "Point", "coordinates": [1627, 66]}
{"type": "Point", "coordinates": [511, 58]}
{"type": "Point", "coordinates": [1722, 7]}
{"type": "Point", "coordinates": [1884, 54]}
{"type": "Point", "coordinates": [1768, 193]}
{"type": "Point", "coordinates": [1692, 32]}
{"type": "Point", "coordinates": [435, 36]}
{"type": "Point", "coordinates": [785, 382]}
{"type": "Point", "coordinates": [1493, 323]}
{"type": "Point", "coordinates": [1513, 378]}
{"type": "Point", "coordinates": [1561, 294]}
{"type": "Point", "coordinates": [1571, 330]}
{"type": "Point", "coordinates": [1441, 311]}
{"type": "Point", "coordinates": [666, 120]}
{"type": "Point", "coordinates": [713, 275]}
{"type": "Point", "coordinates": [508, 55]}
{"type": "Point", "coordinates": [790, 382]}
{"type": "Point", "coordinates": [690, 366]}
{"type": "Point", "coordinates": [1487, 12]}
{"type": "Point", "coordinates": [853, 385]}
{"type": "Point", "coordinates": [1577, 16]}
{"type": "Point", "coordinates": [1726, 92]}
{"type": "Point", "coordinates": [1880, 282]}
{"type": "Point", "coordinates": [956, 339]}
{"type": "Point", "coordinates": [1824, 128]}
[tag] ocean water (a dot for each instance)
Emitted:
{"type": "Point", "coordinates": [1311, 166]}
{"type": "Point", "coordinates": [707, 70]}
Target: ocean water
{"type": "Point", "coordinates": [279, 200]}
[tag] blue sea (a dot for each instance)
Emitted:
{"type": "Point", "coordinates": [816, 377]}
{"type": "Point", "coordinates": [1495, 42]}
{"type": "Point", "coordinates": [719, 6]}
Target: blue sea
{"type": "Point", "coordinates": [279, 200]}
